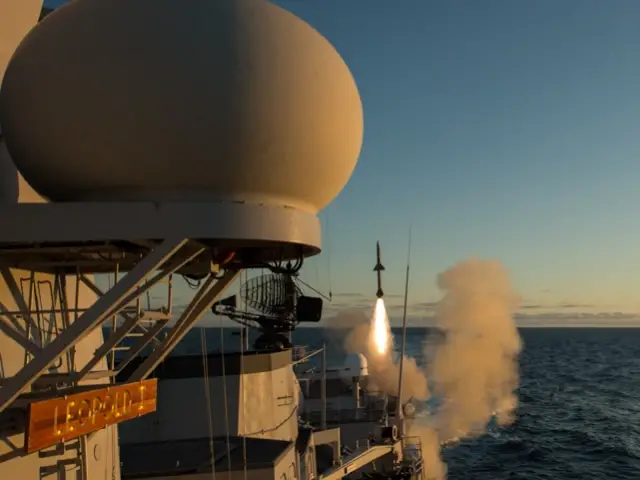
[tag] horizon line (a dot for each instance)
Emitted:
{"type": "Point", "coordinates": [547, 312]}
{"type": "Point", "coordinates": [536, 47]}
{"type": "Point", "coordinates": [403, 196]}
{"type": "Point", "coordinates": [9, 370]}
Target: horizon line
{"type": "Point", "coordinates": [425, 327]}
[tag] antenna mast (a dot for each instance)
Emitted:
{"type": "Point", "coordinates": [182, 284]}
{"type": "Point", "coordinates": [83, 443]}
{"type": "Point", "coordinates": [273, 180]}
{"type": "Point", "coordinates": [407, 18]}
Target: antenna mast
{"type": "Point", "coordinates": [399, 413]}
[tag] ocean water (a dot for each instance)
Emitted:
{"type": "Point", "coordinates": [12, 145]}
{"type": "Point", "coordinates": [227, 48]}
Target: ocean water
{"type": "Point", "coordinates": [579, 412]}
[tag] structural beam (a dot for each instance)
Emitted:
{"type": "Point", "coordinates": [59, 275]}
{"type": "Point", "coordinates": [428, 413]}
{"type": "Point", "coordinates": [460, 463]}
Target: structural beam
{"type": "Point", "coordinates": [114, 339]}
{"type": "Point", "coordinates": [131, 321]}
{"type": "Point", "coordinates": [9, 330]}
{"type": "Point", "coordinates": [11, 316]}
{"type": "Point", "coordinates": [142, 342]}
{"type": "Point", "coordinates": [18, 298]}
{"type": "Point", "coordinates": [93, 317]}
{"type": "Point", "coordinates": [206, 296]}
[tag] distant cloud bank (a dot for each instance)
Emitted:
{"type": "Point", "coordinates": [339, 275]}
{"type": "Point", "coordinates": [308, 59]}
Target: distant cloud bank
{"type": "Point", "coordinates": [528, 315]}
{"type": "Point", "coordinates": [422, 314]}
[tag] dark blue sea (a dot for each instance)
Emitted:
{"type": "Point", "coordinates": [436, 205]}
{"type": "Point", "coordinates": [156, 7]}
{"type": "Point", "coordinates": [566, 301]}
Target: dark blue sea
{"type": "Point", "coordinates": [579, 413]}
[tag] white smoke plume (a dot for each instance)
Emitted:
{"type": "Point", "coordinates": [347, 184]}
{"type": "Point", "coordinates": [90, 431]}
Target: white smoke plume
{"type": "Point", "coordinates": [475, 369]}
{"type": "Point", "coordinates": [383, 370]}
{"type": "Point", "coordinates": [472, 366]}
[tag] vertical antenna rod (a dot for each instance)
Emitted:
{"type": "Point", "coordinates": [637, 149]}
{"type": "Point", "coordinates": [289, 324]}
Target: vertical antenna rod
{"type": "Point", "coordinates": [404, 342]}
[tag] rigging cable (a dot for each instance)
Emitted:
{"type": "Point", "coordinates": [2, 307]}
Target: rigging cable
{"type": "Point", "coordinates": [207, 394]}
{"type": "Point", "coordinates": [114, 447]}
{"type": "Point", "coordinates": [114, 439]}
{"type": "Point", "coordinates": [243, 332]}
{"type": "Point", "coordinates": [224, 393]}
{"type": "Point", "coordinates": [313, 289]}
{"type": "Point", "coordinates": [404, 339]}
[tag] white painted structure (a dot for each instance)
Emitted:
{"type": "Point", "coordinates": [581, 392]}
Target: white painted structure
{"type": "Point", "coordinates": [225, 101]}
{"type": "Point", "coordinates": [197, 138]}
{"type": "Point", "coordinates": [98, 454]}
{"type": "Point", "coordinates": [259, 399]}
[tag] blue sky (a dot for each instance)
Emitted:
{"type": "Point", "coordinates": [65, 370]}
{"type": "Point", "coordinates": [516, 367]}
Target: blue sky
{"type": "Point", "coordinates": [501, 129]}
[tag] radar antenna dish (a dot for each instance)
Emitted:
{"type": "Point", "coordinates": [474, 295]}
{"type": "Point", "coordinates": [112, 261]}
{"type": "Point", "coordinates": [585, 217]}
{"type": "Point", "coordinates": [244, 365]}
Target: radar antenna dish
{"type": "Point", "coordinates": [278, 305]}
{"type": "Point", "coordinates": [273, 294]}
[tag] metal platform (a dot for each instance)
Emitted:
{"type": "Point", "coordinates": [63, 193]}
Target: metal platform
{"type": "Point", "coordinates": [94, 237]}
{"type": "Point", "coordinates": [136, 243]}
{"type": "Point", "coordinates": [156, 266]}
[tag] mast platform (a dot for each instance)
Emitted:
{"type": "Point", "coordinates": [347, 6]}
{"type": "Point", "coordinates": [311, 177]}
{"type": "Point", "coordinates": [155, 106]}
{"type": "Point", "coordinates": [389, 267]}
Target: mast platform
{"type": "Point", "coordinates": [92, 237]}
{"type": "Point", "coordinates": [136, 242]}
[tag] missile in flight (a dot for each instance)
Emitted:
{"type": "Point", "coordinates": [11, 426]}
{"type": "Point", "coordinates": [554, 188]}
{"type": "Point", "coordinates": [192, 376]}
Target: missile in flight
{"type": "Point", "coordinates": [379, 268]}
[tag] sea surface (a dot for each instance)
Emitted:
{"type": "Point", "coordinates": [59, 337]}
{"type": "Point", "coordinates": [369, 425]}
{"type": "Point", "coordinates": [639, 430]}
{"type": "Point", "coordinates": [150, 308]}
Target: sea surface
{"type": "Point", "coordinates": [579, 413]}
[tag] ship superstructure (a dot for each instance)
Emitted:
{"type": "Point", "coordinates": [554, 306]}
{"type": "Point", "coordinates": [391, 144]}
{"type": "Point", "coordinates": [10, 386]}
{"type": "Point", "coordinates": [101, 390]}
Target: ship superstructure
{"type": "Point", "coordinates": [141, 142]}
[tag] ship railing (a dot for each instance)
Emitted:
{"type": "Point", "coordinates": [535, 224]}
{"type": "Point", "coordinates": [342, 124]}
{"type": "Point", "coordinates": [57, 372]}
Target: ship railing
{"type": "Point", "coordinates": [43, 312]}
{"type": "Point", "coordinates": [362, 445]}
{"type": "Point", "coordinates": [413, 461]}
{"type": "Point", "coordinates": [344, 416]}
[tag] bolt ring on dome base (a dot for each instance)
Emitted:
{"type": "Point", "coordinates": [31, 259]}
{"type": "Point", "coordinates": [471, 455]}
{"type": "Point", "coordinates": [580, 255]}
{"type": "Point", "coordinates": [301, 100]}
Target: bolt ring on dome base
{"type": "Point", "coordinates": [44, 236]}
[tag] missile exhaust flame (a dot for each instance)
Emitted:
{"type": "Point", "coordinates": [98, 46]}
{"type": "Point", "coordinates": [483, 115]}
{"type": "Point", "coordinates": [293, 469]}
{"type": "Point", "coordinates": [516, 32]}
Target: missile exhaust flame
{"type": "Point", "coordinates": [380, 331]}
{"type": "Point", "coordinates": [472, 368]}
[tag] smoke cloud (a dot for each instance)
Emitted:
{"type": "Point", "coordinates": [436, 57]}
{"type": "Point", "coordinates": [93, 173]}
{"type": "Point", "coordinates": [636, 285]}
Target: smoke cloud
{"type": "Point", "coordinates": [475, 370]}
{"type": "Point", "coordinates": [383, 370]}
{"type": "Point", "coordinates": [471, 363]}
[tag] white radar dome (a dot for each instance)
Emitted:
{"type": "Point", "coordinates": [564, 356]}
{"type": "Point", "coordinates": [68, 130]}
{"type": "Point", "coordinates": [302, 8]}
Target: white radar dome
{"type": "Point", "coordinates": [171, 100]}
{"type": "Point", "coordinates": [356, 365]}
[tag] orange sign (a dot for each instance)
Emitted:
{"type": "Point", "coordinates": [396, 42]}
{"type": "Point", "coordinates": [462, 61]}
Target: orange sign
{"type": "Point", "coordinates": [61, 419]}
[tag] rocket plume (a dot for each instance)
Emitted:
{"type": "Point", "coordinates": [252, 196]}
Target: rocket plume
{"type": "Point", "coordinates": [380, 330]}
{"type": "Point", "coordinates": [472, 367]}
{"type": "Point", "coordinates": [372, 338]}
